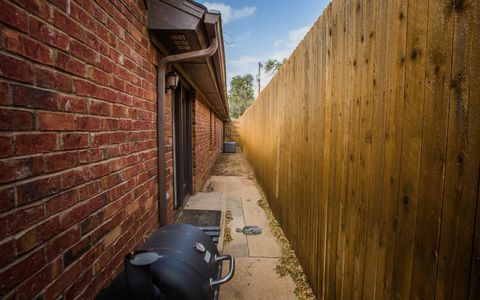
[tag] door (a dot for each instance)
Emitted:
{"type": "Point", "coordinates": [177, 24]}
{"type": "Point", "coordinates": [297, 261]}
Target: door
{"type": "Point", "coordinates": [182, 144]}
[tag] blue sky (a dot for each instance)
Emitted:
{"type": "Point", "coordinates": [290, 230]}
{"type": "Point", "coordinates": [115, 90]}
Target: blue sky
{"type": "Point", "coordinates": [255, 30]}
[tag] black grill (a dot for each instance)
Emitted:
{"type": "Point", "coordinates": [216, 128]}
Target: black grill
{"type": "Point", "coordinates": [206, 220]}
{"type": "Point", "coordinates": [178, 261]}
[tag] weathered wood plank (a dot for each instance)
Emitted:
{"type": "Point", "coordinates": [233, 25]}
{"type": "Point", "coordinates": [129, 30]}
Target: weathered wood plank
{"type": "Point", "coordinates": [367, 145]}
{"type": "Point", "coordinates": [411, 146]}
{"type": "Point", "coordinates": [461, 175]}
{"type": "Point", "coordinates": [397, 16]}
{"type": "Point", "coordinates": [434, 138]}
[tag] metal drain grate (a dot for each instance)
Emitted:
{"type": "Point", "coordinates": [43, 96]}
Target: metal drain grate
{"type": "Point", "coordinates": [200, 218]}
{"type": "Point", "coordinates": [206, 220]}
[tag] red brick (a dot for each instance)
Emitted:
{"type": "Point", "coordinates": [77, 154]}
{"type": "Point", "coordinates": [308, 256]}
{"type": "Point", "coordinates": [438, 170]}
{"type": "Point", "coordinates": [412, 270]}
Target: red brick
{"type": "Point", "coordinates": [75, 215]}
{"type": "Point", "coordinates": [100, 170]}
{"type": "Point", "coordinates": [4, 94]}
{"type": "Point", "coordinates": [117, 83]}
{"type": "Point", "coordinates": [106, 227]}
{"type": "Point", "coordinates": [62, 282]}
{"type": "Point", "coordinates": [111, 180]}
{"type": "Point", "coordinates": [70, 64]}
{"type": "Point", "coordinates": [117, 205]}
{"type": "Point", "coordinates": [8, 252]}
{"type": "Point", "coordinates": [39, 234]}
{"type": "Point", "coordinates": [104, 258]}
{"type": "Point", "coordinates": [35, 143]}
{"type": "Point", "coordinates": [74, 253]}
{"type": "Point", "coordinates": [15, 169]}
{"type": "Point", "coordinates": [125, 99]}
{"type": "Point", "coordinates": [55, 121]}
{"type": "Point", "coordinates": [84, 88]}
{"type": "Point", "coordinates": [36, 7]}
{"type": "Point", "coordinates": [106, 64]}
{"type": "Point", "coordinates": [25, 46]}
{"type": "Point", "coordinates": [89, 190]}
{"type": "Point", "coordinates": [89, 156]}
{"type": "Point", "coordinates": [37, 189]}
{"type": "Point", "coordinates": [99, 76]}
{"type": "Point", "coordinates": [79, 285]}
{"type": "Point", "coordinates": [110, 124]}
{"type": "Point", "coordinates": [119, 111]}
{"type": "Point", "coordinates": [100, 108]}
{"type": "Point", "coordinates": [91, 7]}
{"type": "Point", "coordinates": [11, 119]}
{"type": "Point", "coordinates": [59, 244]}
{"type": "Point", "coordinates": [119, 137]}
{"type": "Point", "coordinates": [33, 97]}
{"type": "Point", "coordinates": [54, 80]}
{"type": "Point", "coordinates": [88, 123]}
{"type": "Point", "coordinates": [48, 34]}
{"type": "Point", "coordinates": [101, 139]}
{"type": "Point", "coordinates": [81, 16]}
{"type": "Point", "coordinates": [62, 4]}
{"type": "Point", "coordinates": [83, 52]}
{"type": "Point", "coordinates": [12, 16]}
{"type": "Point", "coordinates": [20, 219]}
{"type": "Point", "coordinates": [61, 161]}
{"type": "Point", "coordinates": [72, 104]}
{"type": "Point", "coordinates": [7, 199]}
{"type": "Point", "coordinates": [6, 146]}
{"type": "Point", "coordinates": [21, 270]}
{"type": "Point", "coordinates": [94, 42]}
{"type": "Point", "coordinates": [65, 23]}
{"type": "Point", "coordinates": [32, 286]}
{"type": "Point", "coordinates": [82, 210]}
{"type": "Point", "coordinates": [61, 202]}
{"type": "Point", "coordinates": [74, 141]}
{"type": "Point", "coordinates": [16, 69]}
{"type": "Point", "coordinates": [75, 177]}
{"type": "Point", "coordinates": [92, 222]}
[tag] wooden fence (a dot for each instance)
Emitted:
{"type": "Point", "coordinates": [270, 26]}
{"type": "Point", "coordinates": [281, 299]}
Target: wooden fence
{"type": "Point", "coordinates": [367, 145]}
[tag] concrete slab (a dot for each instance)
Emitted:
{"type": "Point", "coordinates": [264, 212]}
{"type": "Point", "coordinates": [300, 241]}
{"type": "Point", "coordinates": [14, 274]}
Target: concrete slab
{"type": "Point", "coordinates": [256, 255]}
{"type": "Point", "coordinates": [234, 187]}
{"type": "Point", "coordinates": [255, 278]}
{"type": "Point", "coordinates": [213, 201]}
{"type": "Point", "coordinates": [238, 247]}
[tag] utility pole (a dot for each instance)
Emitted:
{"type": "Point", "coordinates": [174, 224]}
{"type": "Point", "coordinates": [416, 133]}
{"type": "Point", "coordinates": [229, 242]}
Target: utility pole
{"type": "Point", "coordinates": [258, 76]}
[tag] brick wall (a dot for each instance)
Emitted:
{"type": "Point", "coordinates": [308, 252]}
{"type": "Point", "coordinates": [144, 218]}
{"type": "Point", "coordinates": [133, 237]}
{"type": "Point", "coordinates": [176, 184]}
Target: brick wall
{"type": "Point", "coordinates": [77, 143]}
{"type": "Point", "coordinates": [208, 141]}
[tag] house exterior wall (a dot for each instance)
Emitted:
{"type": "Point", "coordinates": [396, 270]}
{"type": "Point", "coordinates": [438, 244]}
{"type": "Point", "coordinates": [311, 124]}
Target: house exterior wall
{"type": "Point", "coordinates": [207, 141]}
{"type": "Point", "coordinates": [78, 166]}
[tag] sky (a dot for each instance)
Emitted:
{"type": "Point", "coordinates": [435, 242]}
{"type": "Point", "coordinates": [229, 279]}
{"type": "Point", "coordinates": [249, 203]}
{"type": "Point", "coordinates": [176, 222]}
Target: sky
{"type": "Point", "coordinates": [256, 30]}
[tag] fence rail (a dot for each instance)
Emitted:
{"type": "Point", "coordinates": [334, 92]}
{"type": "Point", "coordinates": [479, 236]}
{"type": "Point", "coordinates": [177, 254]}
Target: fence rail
{"type": "Point", "coordinates": [367, 145]}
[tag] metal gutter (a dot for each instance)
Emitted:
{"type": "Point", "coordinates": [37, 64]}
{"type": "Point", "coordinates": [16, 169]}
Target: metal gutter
{"type": "Point", "coordinates": [162, 193]}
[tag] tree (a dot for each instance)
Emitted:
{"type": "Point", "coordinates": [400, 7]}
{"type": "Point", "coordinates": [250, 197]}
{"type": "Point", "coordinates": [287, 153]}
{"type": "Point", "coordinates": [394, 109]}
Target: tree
{"type": "Point", "coordinates": [272, 65]}
{"type": "Point", "coordinates": [241, 94]}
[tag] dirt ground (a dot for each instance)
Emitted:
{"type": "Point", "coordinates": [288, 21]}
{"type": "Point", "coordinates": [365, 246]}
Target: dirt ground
{"type": "Point", "coordinates": [231, 164]}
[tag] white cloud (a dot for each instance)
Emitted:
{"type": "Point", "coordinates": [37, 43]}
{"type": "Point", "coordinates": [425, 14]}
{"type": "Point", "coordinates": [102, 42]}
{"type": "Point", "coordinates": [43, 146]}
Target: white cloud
{"type": "Point", "coordinates": [284, 48]}
{"type": "Point", "coordinates": [245, 60]}
{"type": "Point", "coordinates": [294, 38]}
{"type": "Point", "coordinates": [229, 13]}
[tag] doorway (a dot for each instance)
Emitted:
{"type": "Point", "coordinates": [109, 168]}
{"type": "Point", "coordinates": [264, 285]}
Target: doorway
{"type": "Point", "coordinates": [182, 137]}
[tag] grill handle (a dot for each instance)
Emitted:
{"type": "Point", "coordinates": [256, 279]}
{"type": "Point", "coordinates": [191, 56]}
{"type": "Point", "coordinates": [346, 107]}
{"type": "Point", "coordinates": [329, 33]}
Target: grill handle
{"type": "Point", "coordinates": [227, 277]}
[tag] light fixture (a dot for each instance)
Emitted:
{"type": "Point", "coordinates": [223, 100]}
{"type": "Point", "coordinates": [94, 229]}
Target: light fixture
{"type": "Point", "coordinates": [171, 80]}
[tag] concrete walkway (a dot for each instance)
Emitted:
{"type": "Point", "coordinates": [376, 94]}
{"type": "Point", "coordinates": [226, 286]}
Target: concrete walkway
{"type": "Point", "coordinates": [230, 188]}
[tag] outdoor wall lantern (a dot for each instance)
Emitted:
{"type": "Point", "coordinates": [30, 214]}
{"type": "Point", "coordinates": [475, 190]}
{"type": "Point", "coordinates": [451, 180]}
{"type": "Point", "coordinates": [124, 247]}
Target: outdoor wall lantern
{"type": "Point", "coordinates": [171, 80]}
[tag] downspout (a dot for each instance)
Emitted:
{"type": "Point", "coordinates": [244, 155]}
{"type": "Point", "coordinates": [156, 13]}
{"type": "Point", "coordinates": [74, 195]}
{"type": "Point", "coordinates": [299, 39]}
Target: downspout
{"type": "Point", "coordinates": [162, 193]}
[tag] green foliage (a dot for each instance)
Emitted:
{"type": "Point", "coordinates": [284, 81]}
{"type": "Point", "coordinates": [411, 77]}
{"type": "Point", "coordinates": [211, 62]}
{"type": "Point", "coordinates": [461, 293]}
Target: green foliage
{"type": "Point", "coordinates": [241, 94]}
{"type": "Point", "coordinates": [272, 65]}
